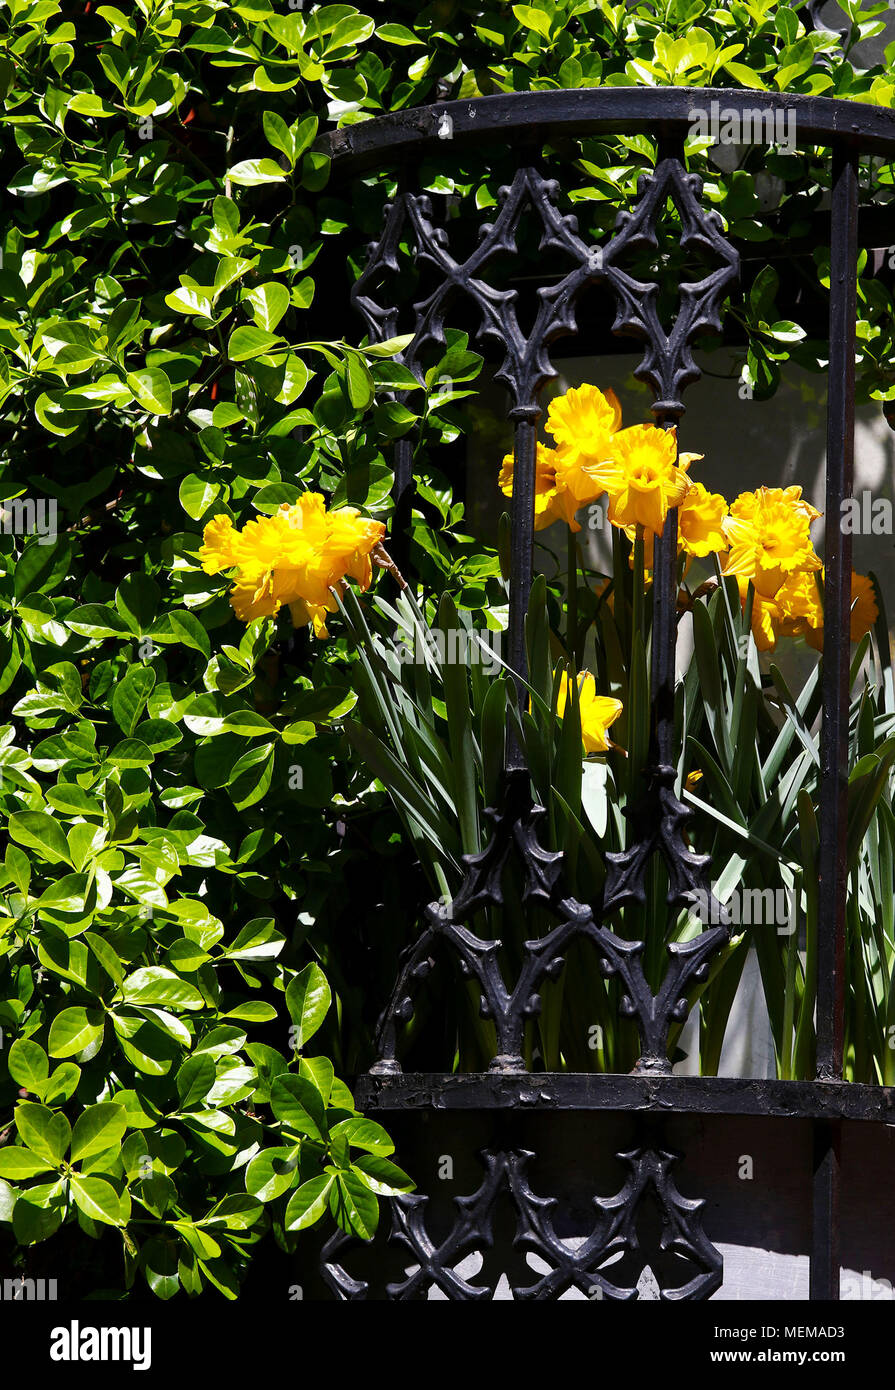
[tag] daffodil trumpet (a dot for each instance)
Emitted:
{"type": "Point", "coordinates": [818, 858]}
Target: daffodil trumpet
{"type": "Point", "coordinates": [597, 713]}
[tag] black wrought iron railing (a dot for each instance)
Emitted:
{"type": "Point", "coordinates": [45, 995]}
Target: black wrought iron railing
{"type": "Point", "coordinates": [524, 122]}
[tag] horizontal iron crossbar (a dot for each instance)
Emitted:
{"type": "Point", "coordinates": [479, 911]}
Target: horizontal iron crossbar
{"type": "Point", "coordinates": [715, 1095]}
{"type": "Point", "coordinates": [662, 111]}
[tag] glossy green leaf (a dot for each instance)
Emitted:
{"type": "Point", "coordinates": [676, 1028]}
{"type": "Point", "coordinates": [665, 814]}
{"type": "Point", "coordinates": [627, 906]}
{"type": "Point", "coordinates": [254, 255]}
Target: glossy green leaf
{"type": "Point", "coordinates": [47, 1133]}
{"type": "Point", "coordinates": [308, 998]}
{"type": "Point", "coordinates": [28, 1064]}
{"type": "Point", "coordinates": [308, 1203]}
{"type": "Point", "coordinates": [96, 1129]}
{"type": "Point", "coordinates": [74, 1030]}
{"type": "Point", "coordinates": [153, 984]}
{"type": "Point", "coordinates": [299, 1105]}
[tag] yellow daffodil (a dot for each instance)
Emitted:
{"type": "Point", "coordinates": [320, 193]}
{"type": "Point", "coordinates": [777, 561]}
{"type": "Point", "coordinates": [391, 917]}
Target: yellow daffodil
{"type": "Point", "coordinates": [768, 531]}
{"type": "Point", "coordinates": [748, 502]}
{"type": "Point", "coordinates": [799, 604]}
{"type": "Point", "coordinates": [796, 610]}
{"type": "Point", "coordinates": [220, 548]}
{"type": "Point", "coordinates": [700, 521]}
{"type": "Point", "coordinates": [597, 712]}
{"type": "Point", "coordinates": [864, 607]}
{"type": "Point", "coordinates": [583, 422]}
{"type": "Point", "coordinates": [767, 616]}
{"type": "Point", "coordinates": [638, 468]}
{"type": "Point", "coordinates": [864, 612]}
{"type": "Point", "coordinates": [296, 557]}
{"type": "Point", "coordinates": [700, 518]}
{"type": "Point", "coordinates": [646, 480]}
{"type": "Point", "coordinates": [552, 502]}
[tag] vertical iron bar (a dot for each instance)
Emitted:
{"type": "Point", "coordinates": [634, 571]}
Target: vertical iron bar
{"type": "Point", "coordinates": [521, 551]}
{"type": "Point", "coordinates": [825, 1253]}
{"type": "Point", "coordinates": [837, 620]}
{"type": "Point", "coordinates": [832, 870]}
{"type": "Point", "coordinates": [404, 487]}
{"type": "Point", "coordinates": [664, 627]}
{"type": "Point", "coordinates": [402, 491]}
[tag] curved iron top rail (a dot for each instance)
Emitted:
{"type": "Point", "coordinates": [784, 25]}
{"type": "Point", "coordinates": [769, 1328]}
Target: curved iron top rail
{"type": "Point", "coordinates": [662, 111]}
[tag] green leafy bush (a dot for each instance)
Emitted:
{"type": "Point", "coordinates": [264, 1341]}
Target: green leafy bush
{"type": "Point", "coordinates": [171, 781]}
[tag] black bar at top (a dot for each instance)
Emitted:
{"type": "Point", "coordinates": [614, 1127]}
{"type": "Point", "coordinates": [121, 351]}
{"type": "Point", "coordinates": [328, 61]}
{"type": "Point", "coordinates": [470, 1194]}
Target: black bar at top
{"type": "Point", "coordinates": [663, 111]}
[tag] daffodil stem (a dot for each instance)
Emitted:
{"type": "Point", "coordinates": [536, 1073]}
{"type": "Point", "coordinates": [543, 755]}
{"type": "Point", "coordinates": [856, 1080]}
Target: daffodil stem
{"type": "Point", "coordinates": [619, 587]}
{"type": "Point", "coordinates": [572, 599]}
{"type": "Point", "coordinates": [637, 625]}
{"type": "Point", "coordinates": [706, 588]}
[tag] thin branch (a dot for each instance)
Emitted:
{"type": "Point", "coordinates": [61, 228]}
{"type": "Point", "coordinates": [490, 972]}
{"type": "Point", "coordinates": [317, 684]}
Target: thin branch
{"type": "Point", "coordinates": [94, 516]}
{"type": "Point", "coordinates": [385, 561]}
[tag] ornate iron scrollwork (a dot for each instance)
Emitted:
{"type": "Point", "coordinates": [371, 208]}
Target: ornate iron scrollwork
{"type": "Point", "coordinates": [526, 366]}
{"type": "Point", "coordinates": [658, 824]}
{"type": "Point", "coordinates": [515, 834]}
{"type": "Point", "coordinates": [667, 363]}
{"type": "Point", "coordinates": [586, 1266]}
